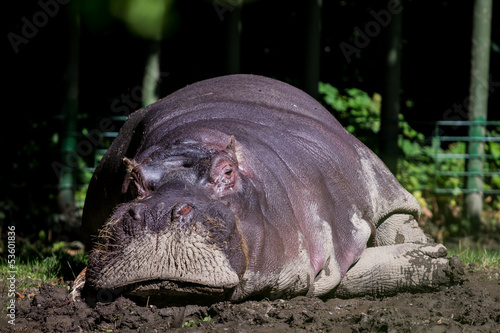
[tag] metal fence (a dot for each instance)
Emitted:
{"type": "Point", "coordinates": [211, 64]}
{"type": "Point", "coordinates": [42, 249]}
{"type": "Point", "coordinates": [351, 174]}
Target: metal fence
{"type": "Point", "coordinates": [439, 158]}
{"type": "Point", "coordinates": [107, 138]}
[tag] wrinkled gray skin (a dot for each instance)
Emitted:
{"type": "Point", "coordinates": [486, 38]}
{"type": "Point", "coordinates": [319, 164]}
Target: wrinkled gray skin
{"type": "Point", "coordinates": [243, 186]}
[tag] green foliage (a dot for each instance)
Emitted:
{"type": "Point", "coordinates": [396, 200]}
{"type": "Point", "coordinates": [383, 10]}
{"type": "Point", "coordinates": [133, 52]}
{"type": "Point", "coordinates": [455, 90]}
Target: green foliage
{"type": "Point", "coordinates": [419, 169]}
{"type": "Point", "coordinates": [146, 18]}
{"type": "Point", "coordinates": [192, 323]}
{"type": "Point", "coordinates": [189, 323]}
{"type": "Point", "coordinates": [493, 165]}
{"type": "Point", "coordinates": [40, 261]}
{"type": "Point", "coordinates": [356, 111]}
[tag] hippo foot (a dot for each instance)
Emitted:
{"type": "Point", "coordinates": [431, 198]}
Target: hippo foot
{"type": "Point", "coordinates": [387, 270]}
{"type": "Point", "coordinates": [78, 284]}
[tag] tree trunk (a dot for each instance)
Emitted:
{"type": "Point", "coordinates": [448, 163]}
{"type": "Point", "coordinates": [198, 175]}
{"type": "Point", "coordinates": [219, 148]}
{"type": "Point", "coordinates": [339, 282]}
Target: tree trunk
{"type": "Point", "coordinates": [478, 107]}
{"type": "Point", "coordinates": [389, 117]}
{"type": "Point", "coordinates": [233, 39]}
{"type": "Point", "coordinates": [151, 80]}
{"type": "Point", "coordinates": [313, 47]}
{"type": "Point", "coordinates": [66, 186]}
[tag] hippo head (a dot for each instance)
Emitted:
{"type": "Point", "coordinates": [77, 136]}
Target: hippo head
{"type": "Point", "coordinates": [176, 235]}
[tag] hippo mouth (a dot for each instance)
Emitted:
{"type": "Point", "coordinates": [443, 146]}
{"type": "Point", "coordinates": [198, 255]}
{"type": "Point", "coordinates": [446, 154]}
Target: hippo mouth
{"type": "Point", "coordinates": [169, 292]}
{"type": "Point", "coordinates": [171, 267]}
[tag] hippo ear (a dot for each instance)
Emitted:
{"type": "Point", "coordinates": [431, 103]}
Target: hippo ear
{"type": "Point", "coordinates": [232, 145]}
{"type": "Point", "coordinates": [129, 166]}
{"type": "Point", "coordinates": [137, 188]}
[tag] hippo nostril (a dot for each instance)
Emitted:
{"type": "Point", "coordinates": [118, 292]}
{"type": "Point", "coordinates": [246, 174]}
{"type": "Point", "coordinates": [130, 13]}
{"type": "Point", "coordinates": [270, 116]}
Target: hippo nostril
{"type": "Point", "coordinates": [135, 212]}
{"type": "Point", "coordinates": [161, 206]}
{"type": "Point", "coordinates": [184, 210]}
{"type": "Point", "coordinates": [181, 210]}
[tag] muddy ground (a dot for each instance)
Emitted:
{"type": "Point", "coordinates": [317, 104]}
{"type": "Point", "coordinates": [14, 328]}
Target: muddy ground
{"type": "Point", "coordinates": [473, 306]}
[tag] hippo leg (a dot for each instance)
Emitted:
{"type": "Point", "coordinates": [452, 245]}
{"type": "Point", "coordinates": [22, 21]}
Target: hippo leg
{"type": "Point", "coordinates": [399, 229]}
{"type": "Point", "coordinates": [403, 260]}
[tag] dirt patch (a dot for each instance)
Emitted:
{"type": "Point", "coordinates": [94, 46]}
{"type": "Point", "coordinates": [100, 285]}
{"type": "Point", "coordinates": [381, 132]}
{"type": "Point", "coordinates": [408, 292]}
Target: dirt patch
{"type": "Point", "coordinates": [473, 306]}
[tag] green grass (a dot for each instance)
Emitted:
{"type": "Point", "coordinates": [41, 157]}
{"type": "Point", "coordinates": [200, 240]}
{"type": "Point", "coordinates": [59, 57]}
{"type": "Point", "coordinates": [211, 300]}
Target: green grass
{"type": "Point", "coordinates": [46, 264]}
{"type": "Point", "coordinates": [483, 258]}
{"type": "Point", "coordinates": [32, 272]}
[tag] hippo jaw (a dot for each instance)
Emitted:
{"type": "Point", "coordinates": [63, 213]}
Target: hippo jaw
{"type": "Point", "coordinates": [170, 263]}
{"type": "Point", "coordinates": [177, 261]}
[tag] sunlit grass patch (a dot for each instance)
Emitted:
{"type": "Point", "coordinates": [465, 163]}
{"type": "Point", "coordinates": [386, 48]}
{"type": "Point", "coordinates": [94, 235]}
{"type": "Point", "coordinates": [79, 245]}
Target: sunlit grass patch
{"type": "Point", "coordinates": [54, 264]}
{"type": "Point", "coordinates": [482, 258]}
{"type": "Point", "coordinates": [32, 273]}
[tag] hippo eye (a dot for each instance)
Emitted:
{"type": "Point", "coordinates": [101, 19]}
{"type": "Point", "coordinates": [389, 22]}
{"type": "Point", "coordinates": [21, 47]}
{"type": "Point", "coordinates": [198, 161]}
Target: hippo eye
{"type": "Point", "coordinates": [226, 173]}
{"type": "Point", "coordinates": [187, 164]}
{"type": "Point", "coordinates": [223, 175]}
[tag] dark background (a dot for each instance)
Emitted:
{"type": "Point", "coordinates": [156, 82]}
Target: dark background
{"type": "Point", "coordinates": [435, 72]}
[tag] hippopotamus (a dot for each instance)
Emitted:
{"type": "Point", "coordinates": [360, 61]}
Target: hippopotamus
{"type": "Point", "coordinates": [244, 187]}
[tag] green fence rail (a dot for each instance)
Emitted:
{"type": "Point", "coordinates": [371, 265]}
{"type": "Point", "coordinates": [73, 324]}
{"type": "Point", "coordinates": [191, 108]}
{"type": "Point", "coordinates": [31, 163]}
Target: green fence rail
{"type": "Point", "coordinates": [439, 157]}
{"type": "Point", "coordinates": [118, 121]}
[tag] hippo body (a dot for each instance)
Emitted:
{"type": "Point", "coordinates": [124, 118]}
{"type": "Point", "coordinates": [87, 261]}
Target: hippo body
{"type": "Point", "coordinates": [243, 186]}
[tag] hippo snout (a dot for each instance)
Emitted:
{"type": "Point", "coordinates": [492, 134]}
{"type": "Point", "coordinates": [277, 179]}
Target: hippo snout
{"type": "Point", "coordinates": [171, 247]}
